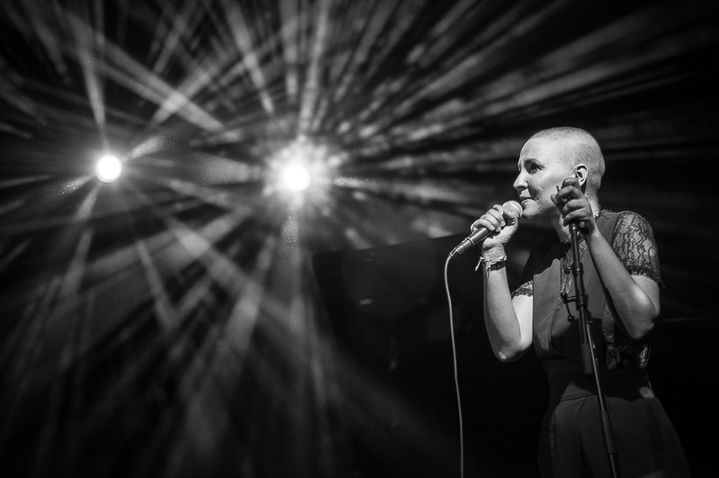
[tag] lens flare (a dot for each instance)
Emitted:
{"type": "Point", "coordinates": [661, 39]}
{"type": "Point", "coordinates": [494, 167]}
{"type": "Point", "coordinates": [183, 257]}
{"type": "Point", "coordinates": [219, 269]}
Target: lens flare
{"type": "Point", "coordinates": [108, 168]}
{"type": "Point", "coordinates": [295, 177]}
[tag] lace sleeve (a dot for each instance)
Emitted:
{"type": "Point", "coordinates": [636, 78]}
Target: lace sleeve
{"type": "Point", "coordinates": [526, 288]}
{"type": "Point", "coordinates": [635, 246]}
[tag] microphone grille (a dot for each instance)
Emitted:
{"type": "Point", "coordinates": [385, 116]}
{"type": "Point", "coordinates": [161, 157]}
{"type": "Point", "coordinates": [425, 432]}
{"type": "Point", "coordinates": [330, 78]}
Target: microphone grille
{"type": "Point", "coordinates": [512, 209]}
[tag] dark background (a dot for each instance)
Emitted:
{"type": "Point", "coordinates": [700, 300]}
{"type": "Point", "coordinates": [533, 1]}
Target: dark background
{"type": "Point", "coordinates": [194, 319]}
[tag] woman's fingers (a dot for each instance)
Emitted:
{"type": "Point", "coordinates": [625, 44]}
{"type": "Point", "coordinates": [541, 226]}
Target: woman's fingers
{"type": "Point", "coordinates": [492, 220]}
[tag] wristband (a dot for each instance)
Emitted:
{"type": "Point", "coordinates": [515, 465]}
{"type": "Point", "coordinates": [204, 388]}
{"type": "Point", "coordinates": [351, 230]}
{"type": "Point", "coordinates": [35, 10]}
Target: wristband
{"type": "Point", "coordinates": [491, 264]}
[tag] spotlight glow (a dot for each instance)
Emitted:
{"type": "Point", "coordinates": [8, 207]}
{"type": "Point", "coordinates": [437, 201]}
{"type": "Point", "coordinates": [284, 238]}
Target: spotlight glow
{"type": "Point", "coordinates": [108, 168]}
{"type": "Point", "coordinates": [300, 171]}
{"type": "Point", "coordinates": [295, 177]}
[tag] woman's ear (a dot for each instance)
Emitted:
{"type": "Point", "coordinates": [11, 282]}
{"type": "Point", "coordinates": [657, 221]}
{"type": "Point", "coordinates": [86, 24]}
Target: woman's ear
{"type": "Point", "coordinates": [582, 174]}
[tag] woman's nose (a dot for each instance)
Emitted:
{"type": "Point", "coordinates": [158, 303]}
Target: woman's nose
{"type": "Point", "coordinates": [519, 183]}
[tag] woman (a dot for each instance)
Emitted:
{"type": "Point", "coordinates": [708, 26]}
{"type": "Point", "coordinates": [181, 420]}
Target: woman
{"type": "Point", "coordinates": [560, 172]}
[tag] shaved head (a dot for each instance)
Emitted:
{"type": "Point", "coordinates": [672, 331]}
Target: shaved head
{"type": "Point", "coordinates": [578, 147]}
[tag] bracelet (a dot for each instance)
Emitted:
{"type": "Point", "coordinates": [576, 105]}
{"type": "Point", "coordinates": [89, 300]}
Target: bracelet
{"type": "Point", "coordinates": [492, 264]}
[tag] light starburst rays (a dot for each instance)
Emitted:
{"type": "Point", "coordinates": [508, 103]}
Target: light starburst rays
{"type": "Point", "coordinates": [100, 58]}
{"type": "Point", "coordinates": [87, 42]}
{"type": "Point", "coordinates": [200, 266]}
{"type": "Point", "coordinates": [173, 34]}
{"type": "Point", "coordinates": [59, 297]}
{"type": "Point", "coordinates": [208, 75]}
{"type": "Point", "coordinates": [221, 270]}
{"type": "Point", "coordinates": [231, 342]}
{"type": "Point", "coordinates": [196, 243]}
{"type": "Point", "coordinates": [312, 83]}
{"type": "Point", "coordinates": [290, 34]}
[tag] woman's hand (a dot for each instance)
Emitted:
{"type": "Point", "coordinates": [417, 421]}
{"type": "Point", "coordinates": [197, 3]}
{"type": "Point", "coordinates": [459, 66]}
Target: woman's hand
{"type": "Point", "coordinates": [574, 206]}
{"type": "Point", "coordinates": [501, 224]}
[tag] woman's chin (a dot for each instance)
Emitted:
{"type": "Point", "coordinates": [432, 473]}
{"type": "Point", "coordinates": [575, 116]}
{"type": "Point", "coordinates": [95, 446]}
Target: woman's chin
{"type": "Point", "coordinates": [535, 214]}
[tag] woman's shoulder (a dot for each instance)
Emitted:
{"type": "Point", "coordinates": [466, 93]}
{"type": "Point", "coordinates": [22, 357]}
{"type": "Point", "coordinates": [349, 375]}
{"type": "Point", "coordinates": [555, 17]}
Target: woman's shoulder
{"type": "Point", "coordinates": [623, 222]}
{"type": "Point", "coordinates": [625, 215]}
{"type": "Point", "coordinates": [629, 214]}
{"type": "Point", "coordinates": [634, 243]}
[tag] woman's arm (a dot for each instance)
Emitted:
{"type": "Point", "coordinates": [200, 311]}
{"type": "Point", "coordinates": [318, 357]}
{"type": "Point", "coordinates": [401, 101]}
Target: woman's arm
{"type": "Point", "coordinates": [635, 297]}
{"type": "Point", "coordinates": [508, 320]}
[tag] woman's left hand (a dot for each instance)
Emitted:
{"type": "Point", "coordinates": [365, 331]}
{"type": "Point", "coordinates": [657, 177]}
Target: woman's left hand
{"type": "Point", "coordinates": [574, 206]}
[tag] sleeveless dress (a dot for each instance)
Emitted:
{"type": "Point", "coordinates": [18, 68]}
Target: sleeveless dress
{"type": "Point", "coordinates": [571, 441]}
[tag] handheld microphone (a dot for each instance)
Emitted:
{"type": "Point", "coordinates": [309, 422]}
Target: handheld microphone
{"type": "Point", "coordinates": [512, 211]}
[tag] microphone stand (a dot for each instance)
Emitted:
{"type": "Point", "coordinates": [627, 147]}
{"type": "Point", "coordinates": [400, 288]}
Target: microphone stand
{"type": "Point", "coordinates": [587, 349]}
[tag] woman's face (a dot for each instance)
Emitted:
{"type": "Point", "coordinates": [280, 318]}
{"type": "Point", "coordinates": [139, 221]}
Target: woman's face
{"type": "Point", "coordinates": [541, 170]}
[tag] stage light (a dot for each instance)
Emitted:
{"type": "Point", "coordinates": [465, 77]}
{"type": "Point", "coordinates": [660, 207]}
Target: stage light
{"type": "Point", "coordinates": [300, 171]}
{"type": "Point", "coordinates": [108, 168]}
{"type": "Point", "coordinates": [295, 177]}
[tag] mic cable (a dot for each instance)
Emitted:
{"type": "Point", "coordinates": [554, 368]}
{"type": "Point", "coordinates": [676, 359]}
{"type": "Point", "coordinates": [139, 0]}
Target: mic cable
{"type": "Point", "coordinates": [456, 373]}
